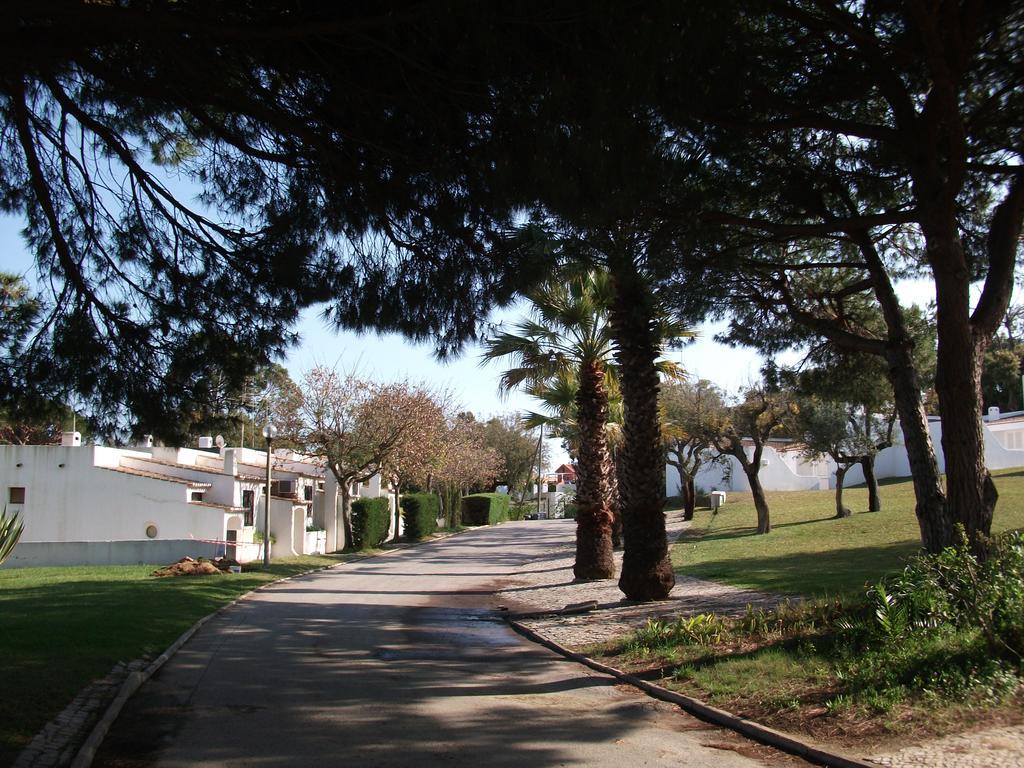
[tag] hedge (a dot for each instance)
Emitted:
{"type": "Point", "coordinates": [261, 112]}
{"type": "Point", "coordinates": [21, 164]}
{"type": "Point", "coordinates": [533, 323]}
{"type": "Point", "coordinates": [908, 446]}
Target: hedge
{"type": "Point", "coordinates": [485, 508]}
{"type": "Point", "coordinates": [419, 513]}
{"type": "Point", "coordinates": [371, 522]}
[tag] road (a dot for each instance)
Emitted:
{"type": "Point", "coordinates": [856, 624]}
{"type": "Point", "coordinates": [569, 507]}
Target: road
{"type": "Point", "coordinates": [398, 660]}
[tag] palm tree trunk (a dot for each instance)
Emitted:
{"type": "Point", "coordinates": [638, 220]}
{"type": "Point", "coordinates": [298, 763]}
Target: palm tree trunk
{"type": "Point", "coordinates": [593, 517]}
{"type": "Point", "coordinates": [646, 567]}
{"type": "Point", "coordinates": [612, 474]}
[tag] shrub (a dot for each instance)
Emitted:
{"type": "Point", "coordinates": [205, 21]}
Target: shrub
{"type": "Point", "coordinates": [371, 522]}
{"type": "Point", "coordinates": [518, 510]}
{"type": "Point", "coordinates": [485, 508]}
{"type": "Point", "coordinates": [419, 513]}
{"type": "Point", "coordinates": [958, 589]}
{"type": "Point", "coordinates": [569, 510]}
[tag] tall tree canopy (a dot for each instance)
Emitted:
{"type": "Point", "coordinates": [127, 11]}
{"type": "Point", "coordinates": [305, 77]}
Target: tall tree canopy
{"type": "Point", "coordinates": [193, 174]}
{"type": "Point", "coordinates": [885, 140]}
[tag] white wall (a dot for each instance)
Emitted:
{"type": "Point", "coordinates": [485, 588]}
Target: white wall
{"type": "Point", "coordinates": [70, 500]}
{"type": "Point", "coordinates": [779, 472]}
{"type": "Point", "coordinates": [789, 472]}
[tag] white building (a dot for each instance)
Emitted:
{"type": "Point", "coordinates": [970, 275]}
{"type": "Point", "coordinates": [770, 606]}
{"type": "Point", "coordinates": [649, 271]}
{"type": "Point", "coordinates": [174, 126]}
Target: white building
{"type": "Point", "coordinates": [783, 468]}
{"type": "Point", "coordinates": [89, 504]}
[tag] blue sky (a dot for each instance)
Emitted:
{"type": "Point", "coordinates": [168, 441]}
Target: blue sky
{"type": "Point", "coordinates": [390, 357]}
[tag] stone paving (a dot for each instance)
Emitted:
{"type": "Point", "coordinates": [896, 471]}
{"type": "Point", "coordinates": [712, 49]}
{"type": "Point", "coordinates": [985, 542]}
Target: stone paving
{"type": "Point", "coordinates": [992, 748]}
{"type": "Point", "coordinates": [546, 585]}
{"type": "Point", "coordinates": [57, 744]}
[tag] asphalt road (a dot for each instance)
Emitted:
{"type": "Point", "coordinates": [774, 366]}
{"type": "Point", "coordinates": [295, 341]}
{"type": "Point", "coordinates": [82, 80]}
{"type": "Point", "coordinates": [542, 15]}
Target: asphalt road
{"type": "Point", "coordinates": [399, 661]}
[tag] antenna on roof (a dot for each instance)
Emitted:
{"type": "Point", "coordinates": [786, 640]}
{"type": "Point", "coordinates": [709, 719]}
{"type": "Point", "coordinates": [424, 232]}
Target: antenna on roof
{"type": "Point", "coordinates": [219, 441]}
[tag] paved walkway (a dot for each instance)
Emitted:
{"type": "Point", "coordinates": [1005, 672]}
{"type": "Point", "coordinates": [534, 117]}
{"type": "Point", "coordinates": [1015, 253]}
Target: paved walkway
{"type": "Point", "coordinates": [396, 661]}
{"type": "Point", "coordinates": [547, 585]}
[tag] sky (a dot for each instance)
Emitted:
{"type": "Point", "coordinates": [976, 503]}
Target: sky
{"type": "Point", "coordinates": [475, 386]}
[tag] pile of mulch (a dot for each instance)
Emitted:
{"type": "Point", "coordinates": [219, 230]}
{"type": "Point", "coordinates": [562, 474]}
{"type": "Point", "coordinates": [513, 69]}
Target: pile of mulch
{"type": "Point", "coordinates": [188, 566]}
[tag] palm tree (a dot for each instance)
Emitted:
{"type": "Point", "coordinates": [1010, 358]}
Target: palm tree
{"type": "Point", "coordinates": [567, 345]}
{"type": "Point", "coordinates": [558, 400]}
{"type": "Point", "coordinates": [567, 339]}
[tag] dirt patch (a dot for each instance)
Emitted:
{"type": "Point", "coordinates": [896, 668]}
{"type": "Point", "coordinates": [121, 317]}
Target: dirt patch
{"type": "Point", "coordinates": [188, 566]}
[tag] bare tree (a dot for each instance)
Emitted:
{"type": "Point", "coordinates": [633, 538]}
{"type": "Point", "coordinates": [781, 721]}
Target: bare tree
{"type": "Point", "coordinates": [356, 425]}
{"type": "Point", "coordinates": [748, 425]}
{"type": "Point", "coordinates": [688, 409]}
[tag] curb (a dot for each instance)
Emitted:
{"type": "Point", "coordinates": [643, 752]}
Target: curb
{"type": "Point", "coordinates": [703, 711]}
{"type": "Point", "coordinates": [87, 752]}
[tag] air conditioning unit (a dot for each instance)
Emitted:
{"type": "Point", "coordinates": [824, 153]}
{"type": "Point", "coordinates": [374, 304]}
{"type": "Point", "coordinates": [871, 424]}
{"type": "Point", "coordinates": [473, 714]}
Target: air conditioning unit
{"type": "Point", "coordinates": [283, 487]}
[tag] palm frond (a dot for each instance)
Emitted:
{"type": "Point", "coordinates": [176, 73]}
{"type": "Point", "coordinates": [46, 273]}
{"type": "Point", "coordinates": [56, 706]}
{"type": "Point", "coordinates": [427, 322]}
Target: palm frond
{"type": "Point", "coordinates": [11, 528]}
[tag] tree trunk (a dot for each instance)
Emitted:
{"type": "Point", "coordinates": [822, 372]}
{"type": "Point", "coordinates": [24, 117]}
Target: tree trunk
{"type": "Point", "coordinates": [841, 471]}
{"type": "Point", "coordinates": [764, 523]}
{"type": "Point", "coordinates": [867, 464]}
{"type": "Point", "coordinates": [689, 498]}
{"type": "Point", "coordinates": [970, 493]}
{"type": "Point", "coordinates": [613, 501]}
{"type": "Point", "coordinates": [398, 508]}
{"type": "Point", "coordinates": [646, 568]}
{"type": "Point", "coordinates": [930, 500]}
{"type": "Point", "coordinates": [346, 512]}
{"type": "Point", "coordinates": [593, 517]}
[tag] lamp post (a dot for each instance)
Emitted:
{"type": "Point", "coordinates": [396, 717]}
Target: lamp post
{"type": "Point", "coordinates": [269, 432]}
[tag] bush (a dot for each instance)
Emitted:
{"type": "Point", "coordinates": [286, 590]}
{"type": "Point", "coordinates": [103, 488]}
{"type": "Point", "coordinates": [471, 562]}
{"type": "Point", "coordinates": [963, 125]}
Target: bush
{"type": "Point", "coordinates": [518, 510]}
{"type": "Point", "coordinates": [419, 513]}
{"type": "Point", "coordinates": [371, 522]}
{"type": "Point", "coordinates": [569, 510]}
{"type": "Point", "coordinates": [485, 508]}
{"type": "Point", "coordinates": [958, 589]}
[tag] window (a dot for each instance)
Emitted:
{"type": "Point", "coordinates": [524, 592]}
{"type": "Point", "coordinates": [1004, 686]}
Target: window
{"type": "Point", "coordinates": [197, 495]}
{"type": "Point", "coordinates": [151, 531]}
{"type": "Point", "coordinates": [282, 487]}
{"type": "Point", "coordinates": [16, 495]}
{"type": "Point", "coordinates": [249, 502]}
{"type": "Point", "coordinates": [307, 492]}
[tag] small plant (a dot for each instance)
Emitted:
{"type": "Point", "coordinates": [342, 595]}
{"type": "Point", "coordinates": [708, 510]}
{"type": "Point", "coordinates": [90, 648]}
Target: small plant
{"type": "Point", "coordinates": [257, 536]}
{"type": "Point", "coordinates": [892, 615]}
{"type": "Point", "coordinates": [11, 529]}
{"type": "Point", "coordinates": [702, 629]}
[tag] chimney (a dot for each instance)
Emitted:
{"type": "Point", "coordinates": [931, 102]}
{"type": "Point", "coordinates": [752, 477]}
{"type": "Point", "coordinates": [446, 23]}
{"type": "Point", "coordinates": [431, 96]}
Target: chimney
{"type": "Point", "coordinates": [70, 439]}
{"type": "Point", "coordinates": [146, 441]}
{"type": "Point", "coordinates": [206, 442]}
{"type": "Point", "coordinates": [230, 462]}
{"type": "Point", "coordinates": [993, 413]}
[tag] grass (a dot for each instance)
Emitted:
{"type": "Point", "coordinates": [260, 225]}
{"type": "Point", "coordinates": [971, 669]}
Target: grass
{"type": "Point", "coordinates": [827, 667]}
{"type": "Point", "coordinates": [64, 627]}
{"type": "Point", "coordinates": [809, 552]}
{"type": "Point", "coordinates": [799, 669]}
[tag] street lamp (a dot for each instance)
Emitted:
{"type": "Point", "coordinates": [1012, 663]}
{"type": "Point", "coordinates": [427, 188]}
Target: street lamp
{"type": "Point", "coordinates": [269, 432]}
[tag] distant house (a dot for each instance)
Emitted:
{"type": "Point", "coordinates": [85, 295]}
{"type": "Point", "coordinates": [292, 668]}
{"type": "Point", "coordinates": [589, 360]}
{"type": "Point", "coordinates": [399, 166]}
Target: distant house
{"type": "Point", "coordinates": [84, 504]}
{"type": "Point", "coordinates": [784, 468]}
{"type": "Point", "coordinates": [565, 474]}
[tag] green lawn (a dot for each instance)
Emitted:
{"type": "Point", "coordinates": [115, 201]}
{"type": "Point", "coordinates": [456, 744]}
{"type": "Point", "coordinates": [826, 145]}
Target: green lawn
{"type": "Point", "coordinates": [61, 628]}
{"type": "Point", "coordinates": [809, 552]}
